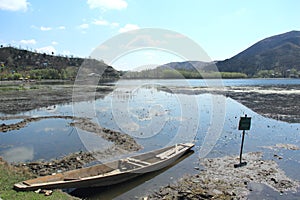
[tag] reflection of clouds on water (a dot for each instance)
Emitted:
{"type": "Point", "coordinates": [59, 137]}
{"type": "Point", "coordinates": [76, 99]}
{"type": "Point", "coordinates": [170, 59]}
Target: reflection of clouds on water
{"type": "Point", "coordinates": [48, 129]}
{"type": "Point", "coordinates": [130, 126]}
{"type": "Point", "coordinates": [18, 154]}
{"type": "Point", "coordinates": [94, 142]}
{"type": "Point", "coordinates": [51, 129]}
{"type": "Point", "coordinates": [102, 109]}
{"type": "Point", "coordinates": [136, 116]}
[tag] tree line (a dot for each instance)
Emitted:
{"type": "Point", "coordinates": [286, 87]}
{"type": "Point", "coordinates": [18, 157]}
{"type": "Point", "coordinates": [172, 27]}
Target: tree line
{"type": "Point", "coordinates": [68, 73]}
{"type": "Point", "coordinates": [160, 73]}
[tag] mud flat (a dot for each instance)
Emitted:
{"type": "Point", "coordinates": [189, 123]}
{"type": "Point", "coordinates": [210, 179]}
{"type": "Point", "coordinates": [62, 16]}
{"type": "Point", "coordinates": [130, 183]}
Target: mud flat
{"type": "Point", "coordinates": [280, 102]}
{"type": "Point", "coordinates": [21, 97]}
{"type": "Point", "coordinates": [220, 180]}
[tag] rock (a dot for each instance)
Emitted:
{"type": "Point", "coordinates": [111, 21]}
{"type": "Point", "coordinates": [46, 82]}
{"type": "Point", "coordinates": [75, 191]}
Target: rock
{"type": "Point", "coordinates": [196, 180]}
{"type": "Point", "coordinates": [274, 180]}
{"type": "Point", "coordinates": [46, 192]}
{"type": "Point", "coordinates": [38, 191]}
{"type": "Point", "coordinates": [217, 192]}
{"type": "Point", "coordinates": [277, 156]}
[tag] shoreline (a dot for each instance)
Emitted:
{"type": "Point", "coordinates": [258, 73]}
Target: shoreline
{"type": "Point", "coordinates": [270, 101]}
{"type": "Point", "coordinates": [261, 99]}
{"type": "Point", "coordinates": [122, 143]}
{"type": "Point", "coordinates": [220, 180]}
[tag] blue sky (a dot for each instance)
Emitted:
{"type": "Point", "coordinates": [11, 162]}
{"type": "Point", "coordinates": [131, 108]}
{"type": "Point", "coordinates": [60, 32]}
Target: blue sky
{"type": "Point", "coordinates": [76, 27]}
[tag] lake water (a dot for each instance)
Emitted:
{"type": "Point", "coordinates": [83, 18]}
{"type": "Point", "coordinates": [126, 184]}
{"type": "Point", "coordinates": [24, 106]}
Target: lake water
{"type": "Point", "coordinates": [156, 118]}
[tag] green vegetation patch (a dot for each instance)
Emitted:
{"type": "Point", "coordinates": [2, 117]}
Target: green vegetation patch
{"type": "Point", "coordinates": [10, 175]}
{"type": "Point", "coordinates": [181, 74]}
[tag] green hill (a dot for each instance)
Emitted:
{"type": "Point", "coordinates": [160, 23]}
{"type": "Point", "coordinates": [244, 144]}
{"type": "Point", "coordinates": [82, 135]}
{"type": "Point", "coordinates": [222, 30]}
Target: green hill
{"type": "Point", "coordinates": [18, 64]}
{"type": "Point", "coordinates": [276, 56]}
{"type": "Point", "coordinates": [279, 55]}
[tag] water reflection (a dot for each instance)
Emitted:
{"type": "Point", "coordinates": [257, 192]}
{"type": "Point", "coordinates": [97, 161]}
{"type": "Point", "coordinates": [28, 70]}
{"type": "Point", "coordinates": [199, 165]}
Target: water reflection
{"type": "Point", "coordinates": [18, 154]}
{"type": "Point", "coordinates": [45, 139]}
{"type": "Point", "coordinates": [158, 116]}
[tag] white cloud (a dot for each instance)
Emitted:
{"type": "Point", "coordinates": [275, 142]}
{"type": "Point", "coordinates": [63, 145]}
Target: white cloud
{"type": "Point", "coordinates": [101, 22]}
{"type": "Point", "coordinates": [107, 4]}
{"type": "Point", "coordinates": [61, 27]}
{"type": "Point", "coordinates": [83, 26]}
{"type": "Point", "coordinates": [47, 49]}
{"type": "Point", "coordinates": [14, 5]}
{"type": "Point", "coordinates": [43, 28]}
{"type": "Point", "coordinates": [114, 24]}
{"type": "Point", "coordinates": [34, 27]}
{"type": "Point", "coordinates": [54, 43]}
{"type": "Point", "coordinates": [32, 41]}
{"type": "Point", "coordinates": [128, 27]}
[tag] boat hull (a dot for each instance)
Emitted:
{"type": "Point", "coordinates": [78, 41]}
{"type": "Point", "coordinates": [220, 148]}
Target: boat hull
{"type": "Point", "coordinates": [100, 180]}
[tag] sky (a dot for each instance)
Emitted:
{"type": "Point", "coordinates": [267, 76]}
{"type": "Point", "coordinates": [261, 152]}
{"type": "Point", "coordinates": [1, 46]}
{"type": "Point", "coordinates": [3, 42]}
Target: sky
{"type": "Point", "coordinates": [222, 28]}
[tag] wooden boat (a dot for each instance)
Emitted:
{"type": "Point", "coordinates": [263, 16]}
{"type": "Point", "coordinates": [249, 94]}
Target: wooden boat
{"type": "Point", "coordinates": [108, 173]}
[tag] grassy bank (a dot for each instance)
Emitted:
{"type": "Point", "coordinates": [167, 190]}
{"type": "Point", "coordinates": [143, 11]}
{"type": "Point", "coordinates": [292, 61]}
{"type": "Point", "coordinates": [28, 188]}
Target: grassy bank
{"type": "Point", "coordinates": [10, 175]}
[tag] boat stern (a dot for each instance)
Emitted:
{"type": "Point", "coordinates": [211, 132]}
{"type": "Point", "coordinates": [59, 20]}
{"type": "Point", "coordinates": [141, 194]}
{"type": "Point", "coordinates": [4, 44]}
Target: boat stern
{"type": "Point", "coordinates": [188, 145]}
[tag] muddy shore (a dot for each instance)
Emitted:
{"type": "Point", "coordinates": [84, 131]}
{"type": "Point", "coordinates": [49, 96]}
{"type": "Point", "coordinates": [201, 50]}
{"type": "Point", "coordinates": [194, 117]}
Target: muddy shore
{"type": "Point", "coordinates": [279, 102]}
{"type": "Point", "coordinates": [220, 180]}
{"type": "Point", "coordinates": [19, 97]}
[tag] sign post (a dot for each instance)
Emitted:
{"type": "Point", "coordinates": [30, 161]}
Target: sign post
{"type": "Point", "coordinates": [244, 124]}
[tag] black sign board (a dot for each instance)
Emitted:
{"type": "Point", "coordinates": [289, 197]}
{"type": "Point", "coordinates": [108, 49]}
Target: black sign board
{"type": "Point", "coordinates": [245, 123]}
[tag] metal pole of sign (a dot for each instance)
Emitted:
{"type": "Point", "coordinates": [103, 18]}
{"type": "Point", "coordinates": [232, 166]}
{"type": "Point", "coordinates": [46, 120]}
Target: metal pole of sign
{"type": "Point", "coordinates": [242, 145]}
{"type": "Point", "coordinates": [244, 124]}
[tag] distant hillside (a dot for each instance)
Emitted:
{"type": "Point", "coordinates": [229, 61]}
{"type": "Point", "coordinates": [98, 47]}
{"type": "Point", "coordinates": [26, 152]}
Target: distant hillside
{"type": "Point", "coordinates": [16, 64]}
{"type": "Point", "coordinates": [279, 53]}
{"type": "Point", "coordinates": [182, 70]}
{"type": "Point", "coordinates": [186, 65]}
{"type": "Point", "coordinates": [276, 56]}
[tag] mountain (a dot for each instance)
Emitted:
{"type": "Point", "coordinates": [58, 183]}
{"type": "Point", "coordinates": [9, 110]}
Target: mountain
{"type": "Point", "coordinates": [17, 63]}
{"type": "Point", "coordinates": [280, 53]}
{"type": "Point", "coordinates": [186, 65]}
{"type": "Point", "coordinates": [276, 56]}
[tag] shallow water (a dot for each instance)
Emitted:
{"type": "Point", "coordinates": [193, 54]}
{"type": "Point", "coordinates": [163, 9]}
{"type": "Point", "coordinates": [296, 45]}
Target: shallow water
{"type": "Point", "coordinates": [156, 119]}
{"type": "Point", "coordinates": [46, 139]}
